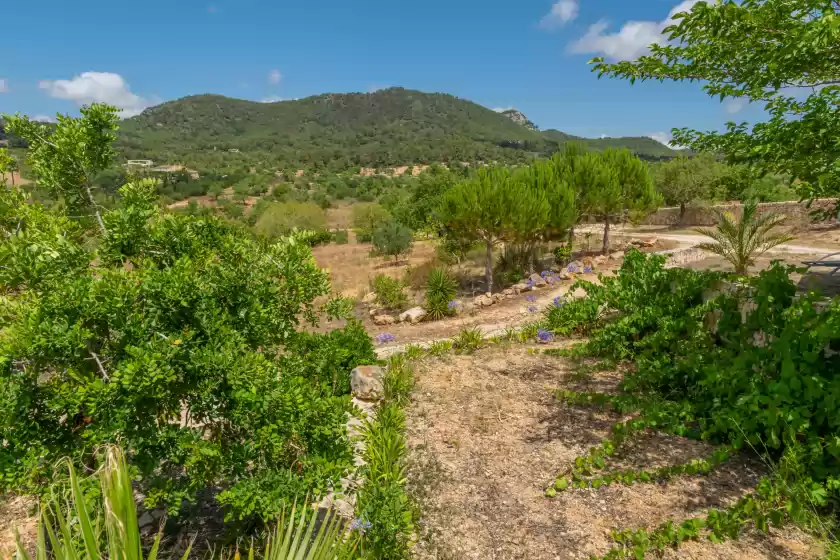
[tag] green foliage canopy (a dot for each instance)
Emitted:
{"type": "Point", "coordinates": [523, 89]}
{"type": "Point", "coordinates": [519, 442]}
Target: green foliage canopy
{"type": "Point", "coordinates": [781, 53]}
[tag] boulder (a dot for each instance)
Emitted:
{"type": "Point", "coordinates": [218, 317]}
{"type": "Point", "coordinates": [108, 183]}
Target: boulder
{"type": "Point", "coordinates": [600, 260]}
{"type": "Point", "coordinates": [484, 301]}
{"type": "Point", "coordinates": [564, 276]}
{"type": "Point", "coordinates": [145, 520]}
{"type": "Point", "coordinates": [366, 382]}
{"type": "Point", "coordinates": [413, 315]}
{"type": "Point", "coordinates": [537, 281]}
{"type": "Point", "coordinates": [369, 298]}
{"type": "Point", "coordinates": [383, 320]}
{"type": "Point", "coordinates": [520, 287]}
{"type": "Point", "coordinates": [499, 297]}
{"type": "Point", "coordinates": [617, 256]}
{"type": "Point", "coordinates": [508, 291]}
{"type": "Point", "coordinates": [578, 264]}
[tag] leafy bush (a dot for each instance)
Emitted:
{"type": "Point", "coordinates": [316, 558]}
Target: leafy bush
{"type": "Point", "coordinates": [340, 237]}
{"type": "Point", "coordinates": [393, 239]}
{"type": "Point", "coordinates": [173, 356]}
{"type": "Point", "coordinates": [468, 340]}
{"type": "Point", "coordinates": [440, 291]}
{"type": "Point", "coordinates": [563, 254]}
{"type": "Point", "coordinates": [279, 218]}
{"type": "Point", "coordinates": [390, 292]}
{"type": "Point", "coordinates": [79, 528]}
{"type": "Point", "coordinates": [709, 357]}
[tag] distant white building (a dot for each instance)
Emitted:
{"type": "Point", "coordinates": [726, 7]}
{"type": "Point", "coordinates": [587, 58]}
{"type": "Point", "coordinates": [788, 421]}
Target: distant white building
{"type": "Point", "coordinates": [146, 163]}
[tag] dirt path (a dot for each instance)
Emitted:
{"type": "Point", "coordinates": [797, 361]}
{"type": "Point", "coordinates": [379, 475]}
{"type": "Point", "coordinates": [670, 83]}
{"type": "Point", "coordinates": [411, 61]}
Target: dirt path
{"type": "Point", "coordinates": [492, 321]}
{"type": "Point", "coordinates": [486, 437]}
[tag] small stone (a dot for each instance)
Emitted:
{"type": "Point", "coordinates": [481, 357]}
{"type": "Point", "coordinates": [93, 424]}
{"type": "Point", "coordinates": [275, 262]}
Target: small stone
{"type": "Point", "coordinates": [145, 520]}
{"type": "Point", "coordinates": [366, 382]}
{"type": "Point", "coordinates": [369, 298]}
{"type": "Point", "coordinates": [564, 276]}
{"type": "Point", "coordinates": [537, 280]}
{"type": "Point", "coordinates": [508, 291]}
{"type": "Point", "coordinates": [499, 296]}
{"type": "Point", "coordinates": [617, 256]}
{"type": "Point", "coordinates": [413, 315]}
{"type": "Point", "coordinates": [374, 312]}
{"type": "Point", "coordinates": [600, 259]}
{"type": "Point", "coordinates": [383, 320]}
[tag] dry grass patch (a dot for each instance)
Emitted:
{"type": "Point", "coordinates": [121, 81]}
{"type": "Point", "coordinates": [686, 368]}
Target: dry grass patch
{"type": "Point", "coordinates": [487, 436]}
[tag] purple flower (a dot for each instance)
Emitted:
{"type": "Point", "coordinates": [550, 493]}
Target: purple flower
{"type": "Point", "coordinates": [545, 273]}
{"type": "Point", "coordinates": [532, 308]}
{"type": "Point", "coordinates": [530, 298]}
{"type": "Point", "coordinates": [385, 337]}
{"type": "Point", "coordinates": [452, 305]}
{"type": "Point", "coordinates": [572, 268]}
{"type": "Point", "coordinates": [530, 283]}
{"type": "Point", "coordinates": [360, 525]}
{"type": "Point", "coordinates": [544, 335]}
{"type": "Point", "coordinates": [559, 301]}
{"type": "Point", "coordinates": [587, 270]}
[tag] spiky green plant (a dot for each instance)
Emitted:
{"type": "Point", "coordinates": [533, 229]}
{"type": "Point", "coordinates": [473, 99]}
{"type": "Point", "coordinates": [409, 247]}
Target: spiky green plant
{"type": "Point", "coordinates": [440, 347]}
{"type": "Point", "coordinates": [468, 340]}
{"type": "Point", "coordinates": [72, 530]}
{"type": "Point", "coordinates": [440, 290]}
{"type": "Point", "coordinates": [741, 241]}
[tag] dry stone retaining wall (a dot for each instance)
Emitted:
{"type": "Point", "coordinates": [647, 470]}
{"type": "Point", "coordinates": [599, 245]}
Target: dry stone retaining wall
{"type": "Point", "coordinates": [798, 213]}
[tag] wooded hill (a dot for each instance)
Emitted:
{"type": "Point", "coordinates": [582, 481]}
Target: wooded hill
{"type": "Point", "coordinates": [338, 131]}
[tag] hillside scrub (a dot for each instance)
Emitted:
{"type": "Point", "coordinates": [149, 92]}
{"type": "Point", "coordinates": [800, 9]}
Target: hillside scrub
{"type": "Point", "coordinates": [177, 336]}
{"type": "Point", "coordinates": [276, 219]}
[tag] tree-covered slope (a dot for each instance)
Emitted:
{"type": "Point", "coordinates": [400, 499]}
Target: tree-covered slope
{"type": "Point", "coordinates": [389, 127]}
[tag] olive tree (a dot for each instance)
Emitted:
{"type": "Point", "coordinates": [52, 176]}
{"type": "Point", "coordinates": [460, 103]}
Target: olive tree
{"type": "Point", "coordinates": [683, 180]}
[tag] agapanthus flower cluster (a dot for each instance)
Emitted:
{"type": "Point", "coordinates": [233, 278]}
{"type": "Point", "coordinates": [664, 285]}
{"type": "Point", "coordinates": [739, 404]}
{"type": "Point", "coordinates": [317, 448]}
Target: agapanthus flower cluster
{"type": "Point", "coordinates": [544, 336]}
{"type": "Point", "coordinates": [530, 298]}
{"type": "Point", "coordinates": [385, 337]}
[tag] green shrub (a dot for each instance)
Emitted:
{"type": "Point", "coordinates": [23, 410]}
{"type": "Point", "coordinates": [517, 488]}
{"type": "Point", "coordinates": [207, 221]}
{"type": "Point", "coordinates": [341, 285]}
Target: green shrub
{"type": "Point", "coordinates": [440, 291]}
{"type": "Point", "coordinates": [468, 340]}
{"type": "Point", "coordinates": [393, 239]}
{"type": "Point", "coordinates": [563, 254]}
{"type": "Point", "coordinates": [92, 352]}
{"type": "Point", "coordinates": [279, 218]}
{"type": "Point", "coordinates": [340, 237]}
{"type": "Point", "coordinates": [390, 292]}
{"type": "Point", "coordinates": [75, 529]}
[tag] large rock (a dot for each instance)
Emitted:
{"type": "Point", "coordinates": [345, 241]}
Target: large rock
{"type": "Point", "coordinates": [617, 256]}
{"type": "Point", "coordinates": [521, 287]}
{"type": "Point", "coordinates": [366, 382]}
{"type": "Point", "coordinates": [563, 276]}
{"type": "Point", "coordinates": [484, 301]}
{"type": "Point", "coordinates": [383, 320]}
{"type": "Point", "coordinates": [413, 315]}
{"type": "Point", "coordinates": [537, 281]}
{"type": "Point", "coordinates": [600, 259]}
{"type": "Point", "coordinates": [508, 291]}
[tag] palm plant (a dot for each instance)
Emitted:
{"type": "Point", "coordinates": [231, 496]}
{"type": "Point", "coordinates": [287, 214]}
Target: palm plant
{"type": "Point", "coordinates": [441, 288]}
{"type": "Point", "coordinates": [741, 241]}
{"type": "Point", "coordinates": [71, 530]}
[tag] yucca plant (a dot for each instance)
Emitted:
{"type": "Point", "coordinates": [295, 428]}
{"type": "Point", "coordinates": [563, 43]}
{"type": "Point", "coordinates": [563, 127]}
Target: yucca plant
{"type": "Point", "coordinates": [440, 293]}
{"type": "Point", "coordinates": [741, 241]}
{"type": "Point", "coordinates": [72, 530]}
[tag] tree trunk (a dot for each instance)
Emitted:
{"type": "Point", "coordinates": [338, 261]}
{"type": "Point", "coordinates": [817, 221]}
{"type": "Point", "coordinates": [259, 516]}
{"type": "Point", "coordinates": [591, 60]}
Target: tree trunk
{"type": "Point", "coordinates": [95, 209]}
{"type": "Point", "coordinates": [682, 212]}
{"type": "Point", "coordinates": [571, 236]}
{"type": "Point", "coordinates": [606, 247]}
{"type": "Point", "coordinates": [488, 267]}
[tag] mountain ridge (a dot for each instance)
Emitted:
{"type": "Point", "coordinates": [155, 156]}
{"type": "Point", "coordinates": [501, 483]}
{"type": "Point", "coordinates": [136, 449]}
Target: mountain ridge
{"type": "Point", "coordinates": [395, 126]}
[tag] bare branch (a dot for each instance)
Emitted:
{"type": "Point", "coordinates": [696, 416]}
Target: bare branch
{"type": "Point", "coordinates": [104, 373]}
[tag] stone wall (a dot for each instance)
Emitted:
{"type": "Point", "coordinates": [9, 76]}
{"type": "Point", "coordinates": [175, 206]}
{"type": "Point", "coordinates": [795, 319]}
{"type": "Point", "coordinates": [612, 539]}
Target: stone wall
{"type": "Point", "coordinates": [797, 213]}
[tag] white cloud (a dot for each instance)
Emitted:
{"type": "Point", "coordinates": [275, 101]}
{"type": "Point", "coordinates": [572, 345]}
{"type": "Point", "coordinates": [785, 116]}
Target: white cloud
{"type": "Point", "coordinates": [562, 12]}
{"type": "Point", "coordinates": [665, 138]}
{"type": "Point", "coordinates": [735, 105]}
{"type": "Point", "coordinates": [631, 41]}
{"type": "Point", "coordinates": [43, 118]}
{"type": "Point", "coordinates": [98, 87]}
{"type": "Point", "coordinates": [274, 77]}
{"type": "Point", "coordinates": [272, 99]}
{"type": "Point", "coordinates": [4, 85]}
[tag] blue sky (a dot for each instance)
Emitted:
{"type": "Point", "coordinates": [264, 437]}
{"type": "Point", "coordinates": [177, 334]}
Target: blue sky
{"type": "Point", "coordinates": [530, 54]}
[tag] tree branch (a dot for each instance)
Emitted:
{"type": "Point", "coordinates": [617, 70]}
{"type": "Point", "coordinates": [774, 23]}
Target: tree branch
{"type": "Point", "coordinates": [104, 373]}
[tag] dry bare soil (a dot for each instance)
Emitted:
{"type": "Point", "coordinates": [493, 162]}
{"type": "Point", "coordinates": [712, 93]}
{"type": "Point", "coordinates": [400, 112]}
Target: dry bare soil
{"type": "Point", "coordinates": [486, 437]}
